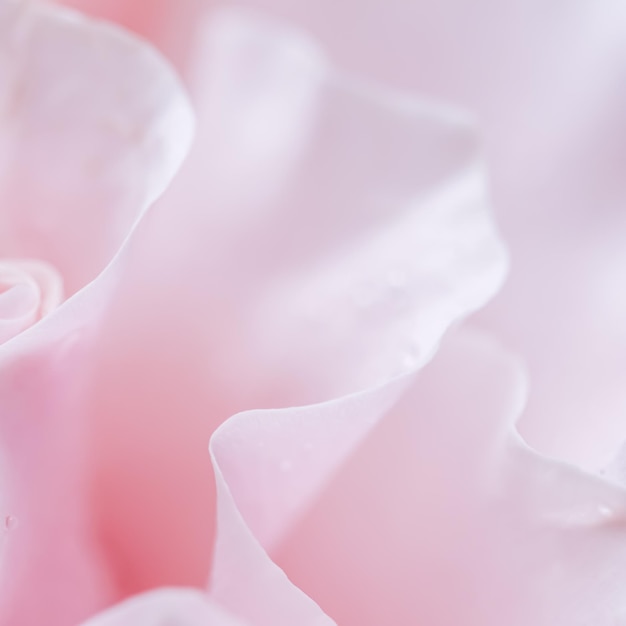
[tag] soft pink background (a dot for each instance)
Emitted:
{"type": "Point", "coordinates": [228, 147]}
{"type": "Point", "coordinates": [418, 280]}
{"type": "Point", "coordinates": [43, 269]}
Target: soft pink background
{"type": "Point", "coordinates": [328, 262]}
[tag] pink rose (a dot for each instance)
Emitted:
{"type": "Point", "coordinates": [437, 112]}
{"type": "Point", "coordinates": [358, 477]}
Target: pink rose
{"type": "Point", "coordinates": [293, 298]}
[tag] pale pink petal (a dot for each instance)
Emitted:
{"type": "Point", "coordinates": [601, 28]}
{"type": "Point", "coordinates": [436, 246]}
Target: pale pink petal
{"type": "Point", "coordinates": [88, 117]}
{"type": "Point", "coordinates": [360, 206]}
{"type": "Point", "coordinates": [556, 158]}
{"type": "Point", "coordinates": [545, 80]}
{"type": "Point", "coordinates": [556, 153]}
{"type": "Point", "coordinates": [71, 188]}
{"type": "Point", "coordinates": [213, 314]}
{"type": "Point", "coordinates": [276, 460]}
{"type": "Point", "coordinates": [269, 466]}
{"type": "Point", "coordinates": [168, 24]}
{"type": "Point", "coordinates": [175, 607]}
{"type": "Point", "coordinates": [246, 581]}
{"type": "Point", "coordinates": [443, 518]}
{"type": "Point", "coordinates": [29, 290]}
{"type": "Point", "coordinates": [49, 553]}
{"type": "Point", "coordinates": [290, 452]}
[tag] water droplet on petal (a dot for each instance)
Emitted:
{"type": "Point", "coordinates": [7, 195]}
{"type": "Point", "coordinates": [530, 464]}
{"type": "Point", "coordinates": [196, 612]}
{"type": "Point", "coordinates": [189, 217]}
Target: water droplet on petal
{"type": "Point", "coordinates": [10, 522]}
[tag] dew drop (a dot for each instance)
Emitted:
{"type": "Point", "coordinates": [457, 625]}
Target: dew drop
{"type": "Point", "coordinates": [10, 522]}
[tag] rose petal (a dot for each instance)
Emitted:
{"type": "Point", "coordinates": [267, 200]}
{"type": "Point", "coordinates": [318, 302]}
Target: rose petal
{"type": "Point", "coordinates": [168, 25]}
{"type": "Point", "coordinates": [246, 581]}
{"type": "Point", "coordinates": [559, 306]}
{"type": "Point", "coordinates": [250, 451]}
{"type": "Point", "coordinates": [51, 553]}
{"type": "Point", "coordinates": [556, 154]}
{"type": "Point", "coordinates": [29, 290]}
{"type": "Point", "coordinates": [443, 518]}
{"type": "Point", "coordinates": [269, 466]}
{"type": "Point", "coordinates": [93, 128]}
{"type": "Point", "coordinates": [213, 318]}
{"type": "Point", "coordinates": [555, 150]}
{"type": "Point", "coordinates": [371, 206]}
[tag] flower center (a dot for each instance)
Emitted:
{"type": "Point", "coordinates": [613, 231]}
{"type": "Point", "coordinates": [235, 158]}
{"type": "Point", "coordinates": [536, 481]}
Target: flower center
{"type": "Point", "coordinates": [29, 290]}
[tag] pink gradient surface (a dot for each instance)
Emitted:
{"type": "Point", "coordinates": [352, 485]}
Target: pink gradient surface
{"type": "Point", "coordinates": [237, 383]}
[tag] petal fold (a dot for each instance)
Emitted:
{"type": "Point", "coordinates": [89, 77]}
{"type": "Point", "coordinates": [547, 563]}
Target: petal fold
{"type": "Point", "coordinates": [94, 125]}
{"type": "Point", "coordinates": [241, 296]}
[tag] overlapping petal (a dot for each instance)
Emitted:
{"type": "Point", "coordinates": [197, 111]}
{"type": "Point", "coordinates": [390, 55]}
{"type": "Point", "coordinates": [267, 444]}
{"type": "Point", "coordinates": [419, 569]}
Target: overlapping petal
{"type": "Point", "coordinates": [555, 147]}
{"type": "Point", "coordinates": [29, 290]}
{"type": "Point", "coordinates": [441, 516]}
{"type": "Point", "coordinates": [544, 79]}
{"type": "Point", "coordinates": [84, 147]}
{"type": "Point", "coordinates": [169, 25]}
{"type": "Point", "coordinates": [94, 125]}
{"type": "Point", "coordinates": [323, 238]}
{"type": "Point", "coordinates": [303, 188]}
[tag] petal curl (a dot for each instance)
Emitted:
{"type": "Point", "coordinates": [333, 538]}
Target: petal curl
{"type": "Point", "coordinates": [269, 467]}
{"type": "Point", "coordinates": [168, 25]}
{"type": "Point", "coordinates": [361, 206]}
{"type": "Point", "coordinates": [29, 290]}
{"type": "Point", "coordinates": [72, 187]}
{"type": "Point", "coordinates": [443, 517]}
{"type": "Point", "coordinates": [212, 316]}
{"type": "Point", "coordinates": [556, 154]}
{"type": "Point", "coordinates": [94, 126]}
